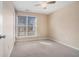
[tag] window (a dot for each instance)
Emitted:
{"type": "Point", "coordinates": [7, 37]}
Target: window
{"type": "Point", "coordinates": [26, 26]}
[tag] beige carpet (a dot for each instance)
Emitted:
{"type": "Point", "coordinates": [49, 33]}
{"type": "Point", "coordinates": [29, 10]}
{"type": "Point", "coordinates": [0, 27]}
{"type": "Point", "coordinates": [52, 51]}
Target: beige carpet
{"type": "Point", "coordinates": [42, 48]}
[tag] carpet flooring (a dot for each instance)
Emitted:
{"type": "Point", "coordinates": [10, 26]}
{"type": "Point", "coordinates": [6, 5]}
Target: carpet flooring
{"type": "Point", "coordinates": [42, 48]}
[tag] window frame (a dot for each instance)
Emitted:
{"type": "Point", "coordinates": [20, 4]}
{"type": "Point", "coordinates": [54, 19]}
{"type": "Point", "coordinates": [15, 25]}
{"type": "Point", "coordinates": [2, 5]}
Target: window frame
{"type": "Point", "coordinates": [26, 33]}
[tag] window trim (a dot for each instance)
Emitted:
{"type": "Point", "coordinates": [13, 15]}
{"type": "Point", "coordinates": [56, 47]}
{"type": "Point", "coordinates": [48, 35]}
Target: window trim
{"type": "Point", "coordinates": [35, 25]}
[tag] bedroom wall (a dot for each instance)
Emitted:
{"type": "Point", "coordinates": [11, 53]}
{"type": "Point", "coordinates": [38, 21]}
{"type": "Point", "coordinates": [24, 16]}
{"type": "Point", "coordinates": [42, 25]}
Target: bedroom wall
{"type": "Point", "coordinates": [42, 19]}
{"type": "Point", "coordinates": [64, 25]}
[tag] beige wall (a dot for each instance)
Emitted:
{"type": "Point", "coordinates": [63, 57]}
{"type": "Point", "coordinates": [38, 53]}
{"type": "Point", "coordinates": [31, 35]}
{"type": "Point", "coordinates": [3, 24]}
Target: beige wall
{"type": "Point", "coordinates": [42, 30]}
{"type": "Point", "coordinates": [64, 25]}
{"type": "Point", "coordinates": [8, 26]}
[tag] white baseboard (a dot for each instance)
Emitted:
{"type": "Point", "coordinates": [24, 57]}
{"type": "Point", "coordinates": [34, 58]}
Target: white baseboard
{"type": "Point", "coordinates": [65, 44]}
{"type": "Point", "coordinates": [31, 38]}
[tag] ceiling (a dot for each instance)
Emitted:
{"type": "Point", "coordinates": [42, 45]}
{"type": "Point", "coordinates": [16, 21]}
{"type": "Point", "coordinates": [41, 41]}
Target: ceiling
{"type": "Point", "coordinates": [29, 6]}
